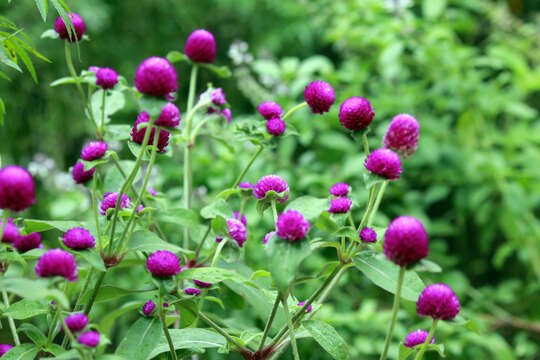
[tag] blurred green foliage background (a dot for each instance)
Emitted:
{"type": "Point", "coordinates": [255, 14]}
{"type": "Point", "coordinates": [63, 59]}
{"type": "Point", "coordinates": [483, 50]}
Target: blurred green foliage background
{"type": "Point", "coordinates": [468, 70]}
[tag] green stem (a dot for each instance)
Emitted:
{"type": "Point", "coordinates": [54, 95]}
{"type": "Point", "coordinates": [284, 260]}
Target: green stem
{"type": "Point", "coordinates": [68, 332]}
{"type": "Point", "coordinates": [201, 243]}
{"type": "Point", "coordinates": [222, 332]}
{"type": "Point", "coordinates": [166, 330]}
{"type": "Point", "coordinates": [291, 328]}
{"type": "Point", "coordinates": [121, 171]}
{"type": "Point", "coordinates": [192, 86]}
{"type": "Point", "coordinates": [428, 339]}
{"type": "Point", "coordinates": [71, 68]}
{"type": "Point", "coordinates": [293, 110]}
{"type": "Point", "coordinates": [253, 158]}
{"type": "Point", "coordinates": [395, 309]}
{"type": "Point", "coordinates": [269, 322]}
{"type": "Point", "coordinates": [274, 211]}
{"type": "Point", "coordinates": [94, 206]}
{"type": "Point", "coordinates": [94, 293]}
{"type": "Point", "coordinates": [218, 251]}
{"type": "Point", "coordinates": [11, 322]}
{"type": "Point", "coordinates": [5, 217]}
{"type": "Point", "coordinates": [102, 127]}
{"type": "Point", "coordinates": [377, 203]}
{"type": "Point", "coordinates": [85, 287]}
{"type": "Point", "coordinates": [365, 143]}
{"type": "Point", "coordinates": [371, 201]}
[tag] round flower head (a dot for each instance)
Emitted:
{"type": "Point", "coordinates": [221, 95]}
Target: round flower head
{"type": "Point", "coordinates": [339, 189]}
{"type": "Point", "coordinates": [76, 322]}
{"type": "Point", "coordinates": [368, 235]}
{"type": "Point", "coordinates": [292, 226]}
{"type": "Point", "coordinates": [246, 185]}
{"type": "Point", "coordinates": [219, 239]}
{"type": "Point", "coordinates": [78, 25]}
{"type": "Point", "coordinates": [218, 97]}
{"type": "Point", "coordinates": [163, 264]}
{"type": "Point", "coordinates": [28, 242]}
{"type": "Point", "coordinates": [156, 76]}
{"type": "Point", "coordinates": [438, 301]}
{"type": "Point", "coordinates": [165, 305]}
{"type": "Point", "coordinates": [169, 117]}
{"type": "Point", "coordinates": [192, 291]}
{"type": "Point", "coordinates": [78, 239]}
{"type": "Point", "coordinates": [79, 175]}
{"type": "Point", "coordinates": [416, 338]}
{"type": "Point", "coordinates": [106, 78]}
{"type": "Point", "coordinates": [237, 231]}
{"type": "Point", "coordinates": [57, 262]}
{"type": "Point", "coordinates": [201, 46]}
{"type": "Point", "coordinates": [138, 135]}
{"type": "Point", "coordinates": [276, 126]}
{"type": "Point", "coordinates": [340, 205]}
{"type": "Point", "coordinates": [405, 241]}
{"type": "Point", "coordinates": [356, 113]}
{"type": "Point", "coordinates": [94, 150]}
{"type": "Point", "coordinates": [228, 114]}
{"type": "Point", "coordinates": [152, 192]}
{"type": "Point", "coordinates": [308, 309]}
{"type": "Point", "coordinates": [385, 163]}
{"type": "Point", "coordinates": [269, 110]}
{"type": "Point", "coordinates": [267, 237]}
{"type": "Point", "coordinates": [201, 284]}
{"type": "Point", "coordinates": [93, 69]}
{"type": "Point", "coordinates": [11, 233]}
{"type": "Point", "coordinates": [17, 191]}
{"type": "Point", "coordinates": [243, 219]}
{"type": "Point", "coordinates": [274, 183]}
{"type": "Point", "coordinates": [320, 96]}
{"type": "Point", "coordinates": [402, 135]}
{"type": "Point", "coordinates": [148, 307]}
{"type": "Point", "coordinates": [89, 338]}
{"type": "Point", "coordinates": [4, 348]}
{"type": "Point", "coordinates": [109, 202]}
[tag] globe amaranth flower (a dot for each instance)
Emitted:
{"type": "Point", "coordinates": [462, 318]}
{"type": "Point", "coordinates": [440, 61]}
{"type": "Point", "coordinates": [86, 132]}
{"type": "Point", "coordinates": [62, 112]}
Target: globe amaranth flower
{"type": "Point", "coordinates": [308, 309]}
{"type": "Point", "coordinates": [320, 96]}
{"type": "Point", "coordinates": [25, 243]}
{"type": "Point", "coordinates": [79, 175]}
{"type": "Point", "coordinates": [243, 219]}
{"type": "Point", "coordinates": [275, 126]}
{"type": "Point", "coordinates": [340, 189]}
{"type": "Point", "coordinates": [152, 192]}
{"type": "Point", "coordinates": [368, 235]}
{"type": "Point", "coordinates": [402, 135]}
{"type": "Point", "coordinates": [292, 226]}
{"type": "Point", "coordinates": [93, 69]}
{"type": "Point", "coordinates": [227, 114]}
{"type": "Point", "coordinates": [218, 97]}
{"type": "Point", "coordinates": [57, 262]}
{"type": "Point", "coordinates": [356, 113]}
{"type": "Point", "coordinates": [78, 25]}
{"type": "Point", "coordinates": [165, 305]}
{"type": "Point", "coordinates": [169, 117]}
{"type": "Point", "coordinates": [78, 239]}
{"type": "Point", "coordinates": [271, 183]}
{"type": "Point", "coordinates": [267, 237]}
{"type": "Point", "coordinates": [4, 348]}
{"type": "Point", "coordinates": [269, 110]}
{"type": "Point", "coordinates": [89, 338]}
{"type": "Point", "coordinates": [201, 284]}
{"type": "Point", "coordinates": [138, 135]}
{"type": "Point", "coordinates": [156, 76]}
{"type": "Point", "coordinates": [340, 205]}
{"type": "Point", "coordinates": [76, 322]}
{"type": "Point", "coordinates": [416, 338]}
{"type": "Point", "coordinates": [237, 231]}
{"type": "Point", "coordinates": [148, 307]}
{"type": "Point", "coordinates": [192, 291]}
{"type": "Point", "coordinates": [385, 163]}
{"type": "Point", "coordinates": [109, 202]}
{"type": "Point", "coordinates": [201, 46]}
{"type": "Point", "coordinates": [438, 301]}
{"type": "Point", "coordinates": [11, 233]}
{"type": "Point", "coordinates": [163, 264]}
{"type": "Point", "coordinates": [106, 78]}
{"type": "Point", "coordinates": [17, 190]}
{"type": "Point", "coordinates": [405, 241]}
{"type": "Point", "coordinates": [246, 185]}
{"type": "Point", "coordinates": [94, 150]}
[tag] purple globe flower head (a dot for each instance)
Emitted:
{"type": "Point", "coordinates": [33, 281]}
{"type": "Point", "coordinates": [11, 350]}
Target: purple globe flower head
{"type": "Point", "coordinates": [416, 338]}
{"type": "Point", "coordinates": [156, 76]}
{"type": "Point", "coordinates": [340, 205]}
{"type": "Point", "coordinates": [402, 135]}
{"type": "Point", "coordinates": [201, 46]}
{"type": "Point", "coordinates": [93, 69]}
{"type": "Point", "coordinates": [405, 241]}
{"type": "Point", "coordinates": [219, 239]}
{"type": "Point", "coordinates": [269, 110]}
{"type": "Point", "coordinates": [140, 208]}
{"type": "Point", "coordinates": [89, 338]}
{"type": "Point", "coordinates": [246, 185]}
{"type": "Point", "coordinates": [79, 175]}
{"type": "Point", "coordinates": [94, 150]}
{"type": "Point", "coordinates": [243, 219]}
{"type": "Point", "coordinates": [148, 307]}
{"type": "Point", "coordinates": [368, 235]}
{"type": "Point", "coordinates": [78, 239]}
{"type": "Point", "coordinates": [17, 190]}
{"type": "Point", "coordinates": [169, 117]}
{"type": "Point", "coordinates": [274, 183]}
{"type": "Point", "coordinates": [109, 202]}
{"type": "Point", "coordinates": [308, 309]}
{"type": "Point", "coordinates": [340, 189]}
{"type": "Point", "coordinates": [138, 135]}
{"type": "Point", "coordinates": [228, 114]}
{"type": "Point", "coordinates": [267, 237]}
{"type": "Point", "coordinates": [106, 78]}
{"type": "Point", "coordinates": [57, 262]}
{"type": "Point", "coordinates": [165, 305]}
{"type": "Point", "coordinates": [292, 226]}
{"type": "Point", "coordinates": [76, 322]}
{"type": "Point", "coordinates": [4, 348]}
{"type": "Point", "coordinates": [78, 25]}
{"type": "Point", "coordinates": [192, 291]}
{"type": "Point", "coordinates": [320, 96]}
{"type": "Point", "coordinates": [201, 284]}
{"type": "Point", "coordinates": [163, 264]}
{"type": "Point", "coordinates": [25, 243]}
{"type": "Point", "coordinates": [356, 113]}
{"type": "Point", "coordinates": [237, 231]}
{"type": "Point", "coordinates": [385, 163]}
{"type": "Point", "coordinates": [11, 233]}
{"type": "Point", "coordinates": [438, 301]}
{"type": "Point", "coordinates": [218, 97]}
{"type": "Point", "coordinates": [275, 126]}
{"type": "Point", "coordinates": [152, 192]}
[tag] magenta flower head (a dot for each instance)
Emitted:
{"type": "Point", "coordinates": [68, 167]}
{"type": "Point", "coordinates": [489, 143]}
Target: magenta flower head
{"type": "Point", "coordinates": [356, 113]}
{"type": "Point", "coordinates": [405, 241]}
{"type": "Point", "coordinates": [76, 322]}
{"type": "Point", "coordinates": [57, 262]}
{"type": "Point", "coordinates": [152, 192]}
{"type": "Point", "coordinates": [416, 338]}
{"type": "Point", "coordinates": [109, 202]}
{"type": "Point", "coordinates": [148, 307]}
{"type": "Point", "coordinates": [93, 69]}
{"type": "Point", "coordinates": [201, 46]}
{"type": "Point", "coordinates": [28, 242]}
{"type": "Point", "coordinates": [340, 205]}
{"type": "Point", "coordinates": [271, 183]}
{"type": "Point", "coordinates": [201, 284]}
{"type": "Point", "coordinates": [438, 301]}
{"type": "Point", "coordinates": [138, 135]}
{"type": "Point", "coordinates": [340, 189]}
{"type": "Point", "coordinates": [320, 96]}
{"type": "Point", "coordinates": [4, 348]}
{"type": "Point", "coordinates": [89, 338]}
{"type": "Point", "coordinates": [78, 24]}
{"type": "Point", "coordinates": [106, 78]}
{"type": "Point", "coordinates": [192, 291]}
{"type": "Point", "coordinates": [246, 185]}
{"type": "Point", "coordinates": [79, 175]}
{"type": "Point", "coordinates": [228, 114]}
{"type": "Point", "coordinates": [308, 309]}
{"type": "Point", "coordinates": [267, 237]}
{"type": "Point", "coordinates": [156, 76]}
{"type": "Point", "coordinates": [269, 110]}
{"type": "Point", "coordinates": [78, 239]}
{"type": "Point", "coordinates": [275, 126]}
{"type": "Point", "coordinates": [163, 264]}
{"type": "Point", "coordinates": [11, 233]}
{"type": "Point", "coordinates": [385, 163]}
{"type": "Point", "coordinates": [218, 97]}
{"type": "Point", "coordinates": [237, 231]}
{"type": "Point", "coordinates": [368, 235]}
{"type": "Point", "coordinates": [169, 117]}
{"type": "Point", "coordinates": [292, 226]}
{"type": "Point", "coordinates": [17, 190]}
{"type": "Point", "coordinates": [94, 150]}
{"type": "Point", "coordinates": [243, 219]}
{"type": "Point", "coordinates": [402, 135]}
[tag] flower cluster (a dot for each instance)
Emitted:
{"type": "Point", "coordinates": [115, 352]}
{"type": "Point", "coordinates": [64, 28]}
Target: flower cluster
{"type": "Point", "coordinates": [271, 112]}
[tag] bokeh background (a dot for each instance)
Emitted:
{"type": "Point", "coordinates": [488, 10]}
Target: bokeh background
{"type": "Point", "coordinates": [468, 70]}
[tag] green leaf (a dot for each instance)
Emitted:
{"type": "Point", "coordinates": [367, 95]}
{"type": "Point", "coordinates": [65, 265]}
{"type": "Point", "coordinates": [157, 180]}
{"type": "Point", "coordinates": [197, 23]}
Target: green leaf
{"type": "Point", "coordinates": [435, 347]}
{"type": "Point", "coordinates": [152, 105]}
{"type": "Point", "coordinates": [211, 275]}
{"type": "Point", "coordinates": [428, 266]}
{"type": "Point", "coordinates": [309, 206]}
{"type": "Point", "coordinates": [220, 226]}
{"type": "Point", "coordinates": [188, 311]}
{"type": "Point", "coordinates": [33, 332]}
{"type": "Point", "coordinates": [371, 179]}
{"type": "Point", "coordinates": [54, 349]}
{"type": "Point", "coordinates": [93, 258]}
{"type": "Point", "coordinates": [191, 338]}
{"type": "Point", "coordinates": [117, 133]}
{"type": "Point", "coordinates": [32, 289]}
{"type": "Point", "coordinates": [326, 223]}
{"type": "Point", "coordinates": [49, 34]}
{"type": "Point", "coordinates": [228, 192]}
{"type": "Point", "coordinates": [142, 337]}
{"type": "Point", "coordinates": [42, 7]}
{"type": "Point", "coordinates": [24, 57]}
{"type": "Point", "coordinates": [25, 309]}
{"type": "Point", "coordinates": [68, 355]}
{"type": "Point", "coordinates": [349, 232]}
{"type": "Point", "coordinates": [262, 205]}
{"type": "Point", "coordinates": [468, 324]}
{"type": "Point", "coordinates": [218, 207]}
{"type": "Point", "coordinates": [114, 101]}
{"type": "Point", "coordinates": [176, 56]}
{"type": "Point", "coordinates": [32, 225]}
{"type": "Point", "coordinates": [433, 9]}
{"type": "Point", "coordinates": [22, 352]}
{"type": "Point", "coordinates": [384, 274]}
{"type": "Point", "coordinates": [106, 324]}
{"type": "Point", "coordinates": [221, 71]}
{"type": "Point", "coordinates": [12, 256]}
{"type": "Point", "coordinates": [181, 216]}
{"type": "Point", "coordinates": [110, 292]}
{"type": "Point", "coordinates": [328, 338]}
{"type": "Point", "coordinates": [404, 352]}
{"type": "Point", "coordinates": [144, 240]}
